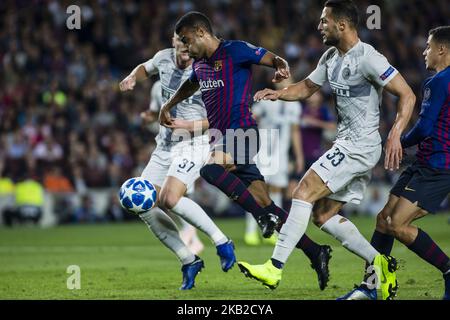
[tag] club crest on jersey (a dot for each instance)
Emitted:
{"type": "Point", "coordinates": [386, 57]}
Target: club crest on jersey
{"type": "Point", "coordinates": [217, 65]}
{"type": "Point", "coordinates": [346, 73]}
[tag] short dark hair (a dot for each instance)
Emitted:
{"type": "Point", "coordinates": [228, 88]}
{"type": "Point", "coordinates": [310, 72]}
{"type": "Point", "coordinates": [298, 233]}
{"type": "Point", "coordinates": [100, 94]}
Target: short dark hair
{"type": "Point", "coordinates": [441, 35]}
{"type": "Point", "coordinates": [344, 9]}
{"type": "Point", "coordinates": [193, 19]}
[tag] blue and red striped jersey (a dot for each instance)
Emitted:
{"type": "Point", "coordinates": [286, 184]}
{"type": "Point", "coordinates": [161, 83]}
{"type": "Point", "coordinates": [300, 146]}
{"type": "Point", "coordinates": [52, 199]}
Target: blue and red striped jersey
{"type": "Point", "coordinates": [433, 126]}
{"type": "Point", "coordinates": [225, 81]}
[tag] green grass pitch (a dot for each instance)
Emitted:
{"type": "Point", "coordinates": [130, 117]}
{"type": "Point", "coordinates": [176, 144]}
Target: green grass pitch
{"type": "Point", "coordinates": [125, 261]}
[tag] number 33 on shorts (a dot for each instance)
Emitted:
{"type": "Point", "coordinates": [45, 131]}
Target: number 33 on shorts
{"type": "Point", "coordinates": [335, 156]}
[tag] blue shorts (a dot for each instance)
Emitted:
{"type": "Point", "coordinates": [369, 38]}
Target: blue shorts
{"type": "Point", "coordinates": [243, 145]}
{"type": "Point", "coordinates": [425, 185]}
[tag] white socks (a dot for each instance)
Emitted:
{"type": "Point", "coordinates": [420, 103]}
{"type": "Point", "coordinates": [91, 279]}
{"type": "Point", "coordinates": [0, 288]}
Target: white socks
{"type": "Point", "coordinates": [196, 216]}
{"type": "Point", "coordinates": [346, 232]}
{"type": "Point", "coordinates": [167, 232]}
{"type": "Point", "coordinates": [292, 230]}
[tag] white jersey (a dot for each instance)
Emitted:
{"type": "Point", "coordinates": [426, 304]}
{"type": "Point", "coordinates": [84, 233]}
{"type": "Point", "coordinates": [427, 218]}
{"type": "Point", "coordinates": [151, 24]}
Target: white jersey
{"type": "Point", "coordinates": [357, 79]}
{"type": "Point", "coordinates": [279, 115]}
{"type": "Point", "coordinates": [171, 77]}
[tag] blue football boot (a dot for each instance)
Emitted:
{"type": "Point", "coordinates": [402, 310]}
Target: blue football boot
{"type": "Point", "coordinates": [226, 253]}
{"type": "Point", "coordinates": [190, 271]}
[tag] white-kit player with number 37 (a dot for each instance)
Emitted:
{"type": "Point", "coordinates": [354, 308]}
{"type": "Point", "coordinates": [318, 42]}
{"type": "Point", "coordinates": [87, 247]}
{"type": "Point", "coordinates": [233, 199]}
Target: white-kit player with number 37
{"type": "Point", "coordinates": [160, 169]}
{"type": "Point", "coordinates": [176, 161]}
{"type": "Point", "coordinates": [357, 74]}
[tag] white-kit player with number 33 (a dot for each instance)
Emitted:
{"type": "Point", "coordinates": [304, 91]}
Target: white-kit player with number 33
{"type": "Point", "coordinates": [357, 74]}
{"type": "Point", "coordinates": [175, 163]}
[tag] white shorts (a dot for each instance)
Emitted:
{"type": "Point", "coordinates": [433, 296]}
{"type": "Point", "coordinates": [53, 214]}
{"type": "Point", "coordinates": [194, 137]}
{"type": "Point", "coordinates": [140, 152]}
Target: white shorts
{"type": "Point", "coordinates": [346, 170]}
{"type": "Point", "coordinates": [183, 162]}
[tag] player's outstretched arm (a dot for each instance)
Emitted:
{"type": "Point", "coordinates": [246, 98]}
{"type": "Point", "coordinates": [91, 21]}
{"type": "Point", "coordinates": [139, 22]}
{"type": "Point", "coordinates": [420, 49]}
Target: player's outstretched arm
{"type": "Point", "coordinates": [137, 74]}
{"type": "Point", "coordinates": [187, 89]}
{"type": "Point", "coordinates": [296, 91]}
{"type": "Point", "coordinates": [405, 105]}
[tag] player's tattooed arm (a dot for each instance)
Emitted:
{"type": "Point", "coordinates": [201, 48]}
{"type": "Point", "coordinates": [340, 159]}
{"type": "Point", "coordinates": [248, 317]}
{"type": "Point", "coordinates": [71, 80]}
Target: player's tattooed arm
{"type": "Point", "coordinates": [187, 89]}
{"type": "Point", "coordinates": [405, 105]}
{"type": "Point", "coordinates": [297, 91]}
{"type": "Point", "coordinates": [279, 64]}
{"type": "Point", "coordinates": [137, 74]}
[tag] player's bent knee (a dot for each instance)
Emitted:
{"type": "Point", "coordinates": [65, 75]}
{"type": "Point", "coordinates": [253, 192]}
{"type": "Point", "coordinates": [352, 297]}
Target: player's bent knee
{"type": "Point", "coordinates": [308, 190]}
{"type": "Point", "coordinates": [398, 231]}
{"type": "Point", "coordinates": [303, 192]}
{"type": "Point", "coordinates": [169, 200]}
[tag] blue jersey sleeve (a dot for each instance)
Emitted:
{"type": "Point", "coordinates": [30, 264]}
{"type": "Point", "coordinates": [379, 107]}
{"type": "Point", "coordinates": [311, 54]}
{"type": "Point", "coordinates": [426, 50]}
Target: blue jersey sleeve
{"type": "Point", "coordinates": [434, 95]}
{"type": "Point", "coordinates": [245, 53]}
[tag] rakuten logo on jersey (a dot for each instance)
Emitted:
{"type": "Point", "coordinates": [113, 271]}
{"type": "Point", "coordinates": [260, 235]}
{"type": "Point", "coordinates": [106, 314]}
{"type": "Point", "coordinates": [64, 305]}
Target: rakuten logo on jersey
{"type": "Point", "coordinates": [209, 84]}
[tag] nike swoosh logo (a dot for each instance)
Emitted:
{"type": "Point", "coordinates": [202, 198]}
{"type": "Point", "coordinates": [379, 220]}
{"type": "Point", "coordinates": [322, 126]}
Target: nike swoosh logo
{"type": "Point", "coordinates": [409, 189]}
{"type": "Point", "coordinates": [321, 164]}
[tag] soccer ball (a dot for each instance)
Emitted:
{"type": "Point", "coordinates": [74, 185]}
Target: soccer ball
{"type": "Point", "coordinates": [137, 195]}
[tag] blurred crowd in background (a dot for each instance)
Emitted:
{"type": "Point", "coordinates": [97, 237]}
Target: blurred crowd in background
{"type": "Point", "coordinates": [65, 125]}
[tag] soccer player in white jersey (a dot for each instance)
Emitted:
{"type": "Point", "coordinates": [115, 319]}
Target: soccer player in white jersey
{"type": "Point", "coordinates": [176, 162]}
{"type": "Point", "coordinates": [357, 73]}
{"type": "Point", "coordinates": [283, 116]}
{"type": "Point", "coordinates": [188, 233]}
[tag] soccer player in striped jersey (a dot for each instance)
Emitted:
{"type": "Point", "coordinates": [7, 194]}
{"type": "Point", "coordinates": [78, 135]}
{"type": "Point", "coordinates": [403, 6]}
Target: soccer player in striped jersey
{"type": "Point", "coordinates": [423, 186]}
{"type": "Point", "coordinates": [222, 72]}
